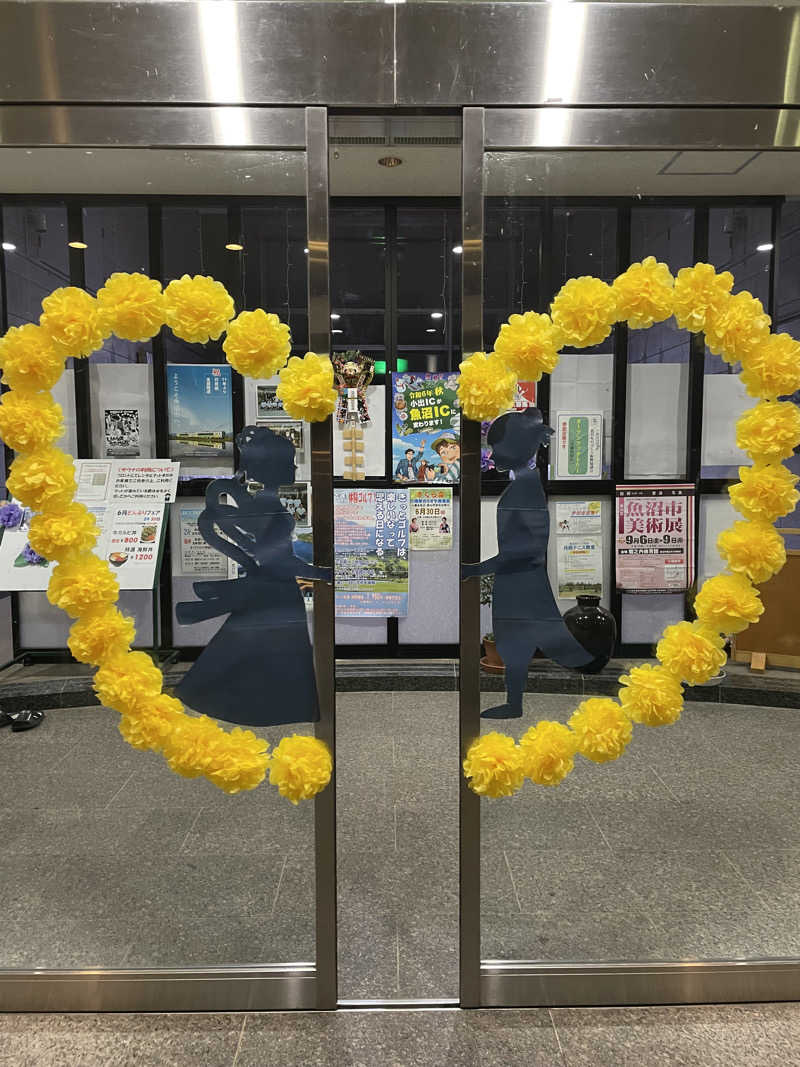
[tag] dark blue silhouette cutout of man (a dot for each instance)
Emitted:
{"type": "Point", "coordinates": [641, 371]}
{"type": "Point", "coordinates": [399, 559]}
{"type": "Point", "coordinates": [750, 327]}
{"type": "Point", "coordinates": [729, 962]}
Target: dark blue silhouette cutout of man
{"type": "Point", "coordinates": [525, 615]}
{"type": "Point", "coordinates": [258, 670]}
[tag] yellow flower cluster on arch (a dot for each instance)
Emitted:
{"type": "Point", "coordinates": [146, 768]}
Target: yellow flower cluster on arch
{"type": "Point", "coordinates": [736, 328]}
{"type": "Point", "coordinates": [75, 323]}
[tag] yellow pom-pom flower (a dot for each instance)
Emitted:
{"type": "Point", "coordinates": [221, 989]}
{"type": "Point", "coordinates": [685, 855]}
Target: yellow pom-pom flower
{"type": "Point", "coordinates": [754, 549]}
{"type": "Point", "coordinates": [197, 309]}
{"type": "Point", "coordinates": [765, 491]}
{"type": "Point", "coordinates": [149, 729]}
{"type": "Point", "coordinates": [493, 765]}
{"type": "Point", "coordinates": [728, 603]}
{"type": "Point", "coordinates": [737, 328]}
{"type": "Point", "coordinates": [128, 683]}
{"type": "Point", "coordinates": [70, 319]}
{"type": "Point", "coordinates": [102, 635]}
{"type": "Point", "coordinates": [30, 420]}
{"type": "Point", "coordinates": [306, 388]}
{"type": "Point", "coordinates": [257, 344]}
{"type": "Point", "coordinates": [770, 430]}
{"type": "Point", "coordinates": [528, 344]}
{"type": "Point", "coordinates": [699, 294]}
{"type": "Point", "coordinates": [548, 751]}
{"type": "Point", "coordinates": [132, 306]}
{"type": "Point", "coordinates": [583, 311]}
{"type": "Point", "coordinates": [644, 293]}
{"type": "Point", "coordinates": [651, 695]}
{"type": "Point", "coordinates": [29, 359]}
{"type": "Point", "coordinates": [772, 368]}
{"type": "Point", "coordinates": [232, 761]}
{"type": "Point", "coordinates": [693, 653]}
{"type": "Point", "coordinates": [82, 585]}
{"type": "Point", "coordinates": [300, 767]}
{"type": "Point", "coordinates": [43, 479]}
{"type": "Point", "coordinates": [63, 533]}
{"type": "Point", "coordinates": [486, 387]}
{"type": "Point", "coordinates": [602, 728]}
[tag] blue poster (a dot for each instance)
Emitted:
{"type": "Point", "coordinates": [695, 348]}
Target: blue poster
{"type": "Point", "coordinates": [426, 428]}
{"type": "Point", "coordinates": [201, 415]}
{"type": "Point", "coordinates": [371, 552]}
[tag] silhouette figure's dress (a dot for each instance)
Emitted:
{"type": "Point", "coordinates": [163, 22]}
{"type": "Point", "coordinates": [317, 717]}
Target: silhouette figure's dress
{"type": "Point", "coordinates": [258, 670]}
{"type": "Point", "coordinates": [525, 615]}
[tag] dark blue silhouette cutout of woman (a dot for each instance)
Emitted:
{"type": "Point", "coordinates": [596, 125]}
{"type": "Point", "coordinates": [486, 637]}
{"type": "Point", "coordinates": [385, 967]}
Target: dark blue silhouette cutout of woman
{"type": "Point", "coordinates": [258, 670]}
{"type": "Point", "coordinates": [525, 615]}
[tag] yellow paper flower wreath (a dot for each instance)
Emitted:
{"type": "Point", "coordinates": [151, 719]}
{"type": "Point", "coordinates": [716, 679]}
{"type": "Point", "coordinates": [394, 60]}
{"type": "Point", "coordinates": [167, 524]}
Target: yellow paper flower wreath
{"type": "Point", "coordinates": [42, 477]}
{"type": "Point", "coordinates": [738, 330]}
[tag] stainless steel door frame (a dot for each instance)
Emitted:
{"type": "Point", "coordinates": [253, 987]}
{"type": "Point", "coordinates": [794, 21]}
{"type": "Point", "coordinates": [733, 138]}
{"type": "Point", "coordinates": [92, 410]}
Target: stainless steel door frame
{"type": "Point", "coordinates": [269, 986]}
{"type": "Point", "coordinates": [517, 983]}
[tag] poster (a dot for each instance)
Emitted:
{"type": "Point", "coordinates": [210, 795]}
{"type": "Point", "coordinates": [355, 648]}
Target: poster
{"type": "Point", "coordinates": [268, 404]}
{"type": "Point", "coordinates": [579, 517]}
{"type": "Point", "coordinates": [99, 480]}
{"type": "Point", "coordinates": [579, 548]}
{"type": "Point", "coordinates": [579, 444]}
{"type": "Point", "coordinates": [426, 428]}
{"type": "Point", "coordinates": [201, 416]}
{"type": "Point", "coordinates": [580, 566]}
{"type": "Point", "coordinates": [197, 557]}
{"type": "Point", "coordinates": [121, 432]}
{"type": "Point", "coordinates": [20, 567]}
{"type": "Point", "coordinates": [295, 498]}
{"type": "Point", "coordinates": [371, 552]}
{"type": "Point", "coordinates": [430, 518]}
{"type": "Point", "coordinates": [132, 532]}
{"type": "Point", "coordinates": [525, 396]}
{"type": "Point", "coordinates": [655, 538]}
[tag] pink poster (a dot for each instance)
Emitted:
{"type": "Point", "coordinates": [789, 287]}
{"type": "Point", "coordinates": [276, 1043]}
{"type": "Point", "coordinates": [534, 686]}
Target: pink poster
{"type": "Point", "coordinates": [655, 538]}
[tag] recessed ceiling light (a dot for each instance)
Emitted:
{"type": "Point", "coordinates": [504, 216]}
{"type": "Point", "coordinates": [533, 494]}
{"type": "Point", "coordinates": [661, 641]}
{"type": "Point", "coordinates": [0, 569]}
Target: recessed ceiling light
{"type": "Point", "coordinates": [234, 247]}
{"type": "Point", "coordinates": [766, 247]}
{"type": "Point", "coordinates": [335, 316]}
{"type": "Point", "coordinates": [437, 315]}
{"type": "Point", "coordinates": [389, 161]}
{"type": "Point", "coordinates": [458, 249]}
{"type": "Point", "coordinates": [78, 244]}
{"type": "Point", "coordinates": [305, 251]}
{"type": "Point", "coordinates": [8, 247]}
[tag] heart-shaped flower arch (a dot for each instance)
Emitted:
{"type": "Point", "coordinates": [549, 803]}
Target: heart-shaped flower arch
{"type": "Point", "coordinates": [74, 323]}
{"type": "Point", "coordinates": [199, 309]}
{"type": "Point", "coordinates": [736, 328]}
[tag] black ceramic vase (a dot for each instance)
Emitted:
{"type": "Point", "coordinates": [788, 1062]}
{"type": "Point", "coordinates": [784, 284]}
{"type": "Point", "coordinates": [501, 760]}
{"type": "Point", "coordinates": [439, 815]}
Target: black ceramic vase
{"type": "Point", "coordinates": [595, 628]}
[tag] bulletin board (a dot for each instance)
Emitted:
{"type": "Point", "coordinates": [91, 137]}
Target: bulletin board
{"type": "Point", "coordinates": [777, 632]}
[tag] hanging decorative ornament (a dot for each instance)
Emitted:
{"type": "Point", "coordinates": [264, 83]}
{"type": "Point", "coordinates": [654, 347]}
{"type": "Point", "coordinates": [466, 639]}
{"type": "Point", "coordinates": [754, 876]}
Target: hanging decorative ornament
{"type": "Point", "coordinates": [354, 371]}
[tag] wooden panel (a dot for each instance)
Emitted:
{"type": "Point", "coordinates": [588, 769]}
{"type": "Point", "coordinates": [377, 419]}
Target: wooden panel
{"type": "Point", "coordinates": [778, 630]}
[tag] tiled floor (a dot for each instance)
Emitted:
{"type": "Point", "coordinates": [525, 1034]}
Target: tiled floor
{"type": "Point", "coordinates": [757, 1035]}
{"type": "Point", "coordinates": [685, 848]}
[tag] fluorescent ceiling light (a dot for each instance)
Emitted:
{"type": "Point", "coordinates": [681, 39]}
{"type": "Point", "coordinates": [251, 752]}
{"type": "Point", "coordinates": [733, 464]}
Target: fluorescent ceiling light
{"type": "Point", "coordinates": [766, 247]}
{"type": "Point", "coordinates": [437, 315]}
{"type": "Point", "coordinates": [335, 316]}
{"type": "Point", "coordinates": [8, 247]}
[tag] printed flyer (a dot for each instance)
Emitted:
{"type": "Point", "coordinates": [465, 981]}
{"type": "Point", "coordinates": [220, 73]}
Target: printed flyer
{"type": "Point", "coordinates": [121, 431]}
{"type": "Point", "coordinates": [131, 542]}
{"type": "Point", "coordinates": [371, 552]}
{"type": "Point", "coordinates": [580, 566]}
{"type": "Point", "coordinates": [578, 444]}
{"type": "Point", "coordinates": [201, 416]}
{"type": "Point", "coordinates": [579, 517]}
{"type": "Point", "coordinates": [655, 538]}
{"type": "Point", "coordinates": [197, 557]}
{"type": "Point", "coordinates": [121, 479]}
{"type": "Point", "coordinates": [430, 525]}
{"type": "Point", "coordinates": [426, 428]}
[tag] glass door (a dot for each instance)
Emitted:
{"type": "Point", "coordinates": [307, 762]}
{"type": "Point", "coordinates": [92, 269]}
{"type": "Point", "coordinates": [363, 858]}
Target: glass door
{"type": "Point", "coordinates": [170, 892]}
{"type": "Point", "coordinates": [644, 859]}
